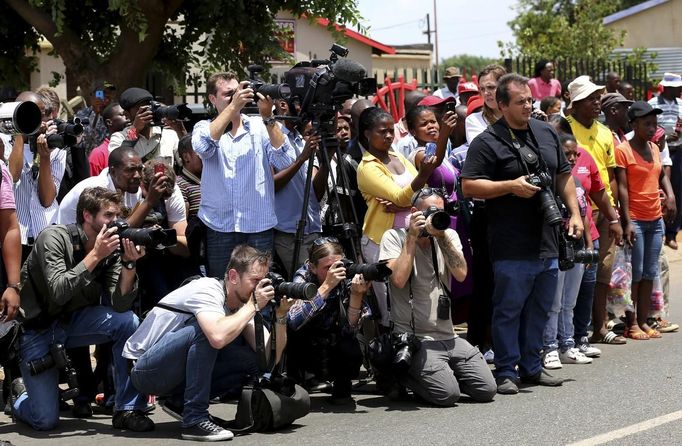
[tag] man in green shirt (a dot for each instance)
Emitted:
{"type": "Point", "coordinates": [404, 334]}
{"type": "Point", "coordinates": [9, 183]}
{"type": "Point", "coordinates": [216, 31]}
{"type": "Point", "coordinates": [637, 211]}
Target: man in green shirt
{"type": "Point", "coordinates": [77, 288]}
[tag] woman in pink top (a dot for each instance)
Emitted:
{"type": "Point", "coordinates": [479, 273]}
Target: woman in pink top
{"type": "Point", "coordinates": [543, 83]}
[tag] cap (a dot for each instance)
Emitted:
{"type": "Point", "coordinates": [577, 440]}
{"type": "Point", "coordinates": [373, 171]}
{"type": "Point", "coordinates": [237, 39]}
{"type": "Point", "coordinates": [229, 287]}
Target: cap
{"type": "Point", "coordinates": [133, 96]}
{"type": "Point", "coordinates": [611, 99]}
{"type": "Point", "coordinates": [671, 80]}
{"type": "Point", "coordinates": [467, 87]}
{"type": "Point", "coordinates": [474, 103]}
{"type": "Point", "coordinates": [431, 101]}
{"type": "Point", "coordinates": [582, 87]}
{"type": "Point", "coordinates": [451, 72]}
{"type": "Point", "coordinates": [639, 109]}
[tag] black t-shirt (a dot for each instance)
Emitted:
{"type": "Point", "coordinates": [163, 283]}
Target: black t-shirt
{"type": "Point", "coordinates": [516, 227]}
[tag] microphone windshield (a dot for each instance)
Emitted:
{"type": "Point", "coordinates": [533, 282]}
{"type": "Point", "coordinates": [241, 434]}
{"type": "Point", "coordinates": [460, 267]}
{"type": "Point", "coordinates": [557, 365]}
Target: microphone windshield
{"type": "Point", "coordinates": [349, 71]}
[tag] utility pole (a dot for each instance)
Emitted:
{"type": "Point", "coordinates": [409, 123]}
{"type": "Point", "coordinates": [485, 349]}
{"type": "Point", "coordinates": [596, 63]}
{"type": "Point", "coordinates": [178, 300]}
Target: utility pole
{"type": "Point", "coordinates": [435, 31]}
{"type": "Point", "coordinates": [428, 28]}
{"type": "Point", "coordinates": [428, 33]}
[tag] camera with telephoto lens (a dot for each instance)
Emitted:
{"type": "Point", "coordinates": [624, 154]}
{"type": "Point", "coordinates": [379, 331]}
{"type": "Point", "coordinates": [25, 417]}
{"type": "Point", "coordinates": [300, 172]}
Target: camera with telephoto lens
{"type": "Point", "coordinates": [154, 238]}
{"type": "Point", "coordinates": [160, 111]}
{"type": "Point", "coordinates": [405, 346]}
{"type": "Point", "coordinates": [292, 290]}
{"type": "Point", "coordinates": [571, 251]}
{"type": "Point", "coordinates": [67, 133]}
{"type": "Point", "coordinates": [378, 271]}
{"type": "Point", "coordinates": [58, 359]}
{"type": "Point", "coordinates": [548, 204]}
{"type": "Point", "coordinates": [440, 220]}
{"type": "Point", "coordinates": [275, 91]}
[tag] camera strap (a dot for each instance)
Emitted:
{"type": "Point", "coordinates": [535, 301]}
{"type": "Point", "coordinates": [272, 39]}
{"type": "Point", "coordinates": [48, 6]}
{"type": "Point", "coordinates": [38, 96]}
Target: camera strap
{"type": "Point", "coordinates": [412, 325]}
{"type": "Point", "coordinates": [436, 268]}
{"type": "Point", "coordinates": [263, 364]}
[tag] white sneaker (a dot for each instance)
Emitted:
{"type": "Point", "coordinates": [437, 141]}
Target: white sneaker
{"type": "Point", "coordinates": [551, 360]}
{"type": "Point", "coordinates": [573, 356]}
{"type": "Point", "coordinates": [586, 349]}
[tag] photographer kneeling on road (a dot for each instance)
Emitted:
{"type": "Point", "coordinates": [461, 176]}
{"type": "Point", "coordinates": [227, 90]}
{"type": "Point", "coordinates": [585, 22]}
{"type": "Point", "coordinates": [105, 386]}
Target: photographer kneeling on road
{"type": "Point", "coordinates": [200, 339]}
{"type": "Point", "coordinates": [65, 279]}
{"type": "Point", "coordinates": [439, 365]}
{"type": "Point", "coordinates": [518, 166]}
{"type": "Point", "coordinates": [323, 339]}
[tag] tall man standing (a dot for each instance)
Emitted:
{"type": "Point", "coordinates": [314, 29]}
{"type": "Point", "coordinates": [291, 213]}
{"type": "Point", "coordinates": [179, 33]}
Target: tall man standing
{"type": "Point", "coordinates": [524, 246]}
{"type": "Point", "coordinates": [237, 185]}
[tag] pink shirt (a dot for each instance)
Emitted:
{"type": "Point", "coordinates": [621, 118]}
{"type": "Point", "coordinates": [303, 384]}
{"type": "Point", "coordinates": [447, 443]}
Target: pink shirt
{"type": "Point", "coordinates": [99, 158]}
{"type": "Point", "coordinates": [587, 172]}
{"type": "Point", "coordinates": [541, 89]}
{"type": "Point", "coordinates": [6, 189]}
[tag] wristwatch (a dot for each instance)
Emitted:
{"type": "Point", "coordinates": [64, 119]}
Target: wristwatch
{"type": "Point", "coordinates": [129, 265]}
{"type": "Point", "coordinates": [16, 286]}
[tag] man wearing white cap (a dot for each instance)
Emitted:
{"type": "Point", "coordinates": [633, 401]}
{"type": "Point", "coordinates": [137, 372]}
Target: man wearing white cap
{"type": "Point", "coordinates": [669, 101]}
{"type": "Point", "coordinates": [597, 139]}
{"type": "Point", "coordinates": [451, 78]}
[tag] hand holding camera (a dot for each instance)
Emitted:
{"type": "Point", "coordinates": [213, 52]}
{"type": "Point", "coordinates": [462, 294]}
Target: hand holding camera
{"type": "Point", "coordinates": [449, 122]}
{"type": "Point", "coordinates": [359, 286]}
{"type": "Point", "coordinates": [242, 97]}
{"type": "Point", "coordinates": [336, 273]}
{"type": "Point", "coordinates": [143, 118]}
{"type": "Point", "coordinates": [264, 293]}
{"type": "Point", "coordinates": [311, 146]}
{"type": "Point", "coordinates": [157, 188]}
{"type": "Point", "coordinates": [417, 224]}
{"type": "Point", "coordinates": [107, 242]}
{"type": "Point", "coordinates": [131, 252]}
{"type": "Point", "coordinates": [522, 188]}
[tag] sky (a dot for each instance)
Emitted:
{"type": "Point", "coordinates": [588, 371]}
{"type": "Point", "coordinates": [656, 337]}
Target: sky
{"type": "Point", "coordinates": [465, 26]}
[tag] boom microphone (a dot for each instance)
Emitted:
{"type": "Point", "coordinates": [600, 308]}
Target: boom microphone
{"type": "Point", "coordinates": [349, 71]}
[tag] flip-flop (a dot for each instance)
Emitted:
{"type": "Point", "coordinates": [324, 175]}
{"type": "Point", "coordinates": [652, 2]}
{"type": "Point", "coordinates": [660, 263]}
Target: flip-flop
{"type": "Point", "coordinates": [609, 338]}
{"type": "Point", "coordinates": [653, 333]}
{"type": "Point", "coordinates": [638, 335]}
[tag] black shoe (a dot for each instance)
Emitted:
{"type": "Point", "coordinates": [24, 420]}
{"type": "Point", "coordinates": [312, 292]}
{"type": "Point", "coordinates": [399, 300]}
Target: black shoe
{"type": "Point", "coordinates": [206, 430]}
{"type": "Point", "coordinates": [506, 386]}
{"type": "Point", "coordinates": [542, 378]}
{"type": "Point", "coordinates": [171, 409]}
{"type": "Point", "coordinates": [18, 388]}
{"type": "Point", "coordinates": [81, 410]}
{"type": "Point", "coordinates": [132, 420]}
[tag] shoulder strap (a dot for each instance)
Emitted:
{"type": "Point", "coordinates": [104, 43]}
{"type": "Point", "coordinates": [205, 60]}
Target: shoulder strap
{"type": "Point", "coordinates": [176, 310]}
{"type": "Point", "coordinates": [75, 237]}
{"type": "Point", "coordinates": [264, 364]}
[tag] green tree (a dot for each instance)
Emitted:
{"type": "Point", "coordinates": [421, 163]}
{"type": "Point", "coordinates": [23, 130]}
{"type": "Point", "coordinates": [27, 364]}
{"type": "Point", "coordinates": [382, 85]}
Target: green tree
{"type": "Point", "coordinates": [558, 29]}
{"type": "Point", "coordinates": [121, 40]}
{"type": "Point", "coordinates": [472, 64]}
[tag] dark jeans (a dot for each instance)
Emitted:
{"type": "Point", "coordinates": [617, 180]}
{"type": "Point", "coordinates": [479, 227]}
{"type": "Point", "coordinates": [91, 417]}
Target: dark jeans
{"type": "Point", "coordinates": [219, 246]}
{"type": "Point", "coordinates": [481, 310]}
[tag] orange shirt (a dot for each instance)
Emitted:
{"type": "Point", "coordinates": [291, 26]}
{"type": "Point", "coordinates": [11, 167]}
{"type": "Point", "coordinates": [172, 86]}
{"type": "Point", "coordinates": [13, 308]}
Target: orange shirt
{"type": "Point", "coordinates": [644, 199]}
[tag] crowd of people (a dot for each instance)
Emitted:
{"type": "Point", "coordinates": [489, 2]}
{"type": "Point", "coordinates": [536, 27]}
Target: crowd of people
{"type": "Point", "coordinates": [510, 204]}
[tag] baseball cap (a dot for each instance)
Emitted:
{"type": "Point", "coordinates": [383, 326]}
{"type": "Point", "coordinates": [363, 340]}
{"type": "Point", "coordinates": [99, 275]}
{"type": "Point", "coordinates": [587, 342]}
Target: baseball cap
{"type": "Point", "coordinates": [451, 72]}
{"type": "Point", "coordinates": [431, 101]}
{"type": "Point", "coordinates": [474, 103]}
{"type": "Point", "coordinates": [639, 109]}
{"type": "Point", "coordinates": [467, 87]}
{"type": "Point", "coordinates": [582, 87]}
{"type": "Point", "coordinates": [611, 99]}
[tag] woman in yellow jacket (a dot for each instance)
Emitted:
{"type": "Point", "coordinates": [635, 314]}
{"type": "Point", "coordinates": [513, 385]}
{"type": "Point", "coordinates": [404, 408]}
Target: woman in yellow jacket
{"type": "Point", "coordinates": [387, 181]}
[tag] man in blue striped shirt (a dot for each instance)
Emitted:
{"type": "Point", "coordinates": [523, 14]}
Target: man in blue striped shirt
{"type": "Point", "coordinates": [237, 186]}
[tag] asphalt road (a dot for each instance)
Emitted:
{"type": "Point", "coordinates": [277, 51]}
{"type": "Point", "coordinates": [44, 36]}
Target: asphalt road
{"type": "Point", "coordinates": [632, 395]}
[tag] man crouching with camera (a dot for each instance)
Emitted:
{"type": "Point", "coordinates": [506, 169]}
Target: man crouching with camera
{"type": "Point", "coordinates": [323, 338]}
{"type": "Point", "coordinates": [201, 337]}
{"type": "Point", "coordinates": [78, 285]}
{"type": "Point", "coordinates": [436, 365]}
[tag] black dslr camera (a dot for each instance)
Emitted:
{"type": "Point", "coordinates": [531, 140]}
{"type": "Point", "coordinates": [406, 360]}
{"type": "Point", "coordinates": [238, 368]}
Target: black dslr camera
{"type": "Point", "coordinates": [370, 271]}
{"type": "Point", "coordinates": [405, 346]}
{"type": "Point", "coordinates": [292, 290]}
{"type": "Point", "coordinates": [156, 238]}
{"type": "Point", "coordinates": [57, 358]}
{"type": "Point", "coordinates": [275, 91]}
{"type": "Point", "coordinates": [160, 111]}
{"type": "Point", "coordinates": [67, 133]}
{"type": "Point", "coordinates": [572, 251]}
{"type": "Point", "coordinates": [440, 219]}
{"type": "Point", "coordinates": [541, 178]}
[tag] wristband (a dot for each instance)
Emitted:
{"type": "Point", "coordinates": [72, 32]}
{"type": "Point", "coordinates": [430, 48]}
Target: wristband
{"type": "Point", "coordinates": [281, 320]}
{"type": "Point", "coordinates": [269, 121]}
{"type": "Point", "coordinates": [16, 286]}
{"type": "Point", "coordinates": [613, 222]}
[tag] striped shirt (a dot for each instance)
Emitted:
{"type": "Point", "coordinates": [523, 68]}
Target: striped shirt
{"type": "Point", "coordinates": [668, 119]}
{"type": "Point", "coordinates": [31, 214]}
{"type": "Point", "coordinates": [190, 186]}
{"type": "Point", "coordinates": [237, 186]}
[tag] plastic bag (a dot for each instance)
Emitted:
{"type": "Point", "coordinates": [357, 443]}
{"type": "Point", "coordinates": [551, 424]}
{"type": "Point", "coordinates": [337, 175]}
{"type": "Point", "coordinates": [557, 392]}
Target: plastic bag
{"type": "Point", "coordinates": [619, 298]}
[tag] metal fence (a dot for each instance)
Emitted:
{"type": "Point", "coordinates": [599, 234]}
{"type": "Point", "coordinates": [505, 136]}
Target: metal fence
{"type": "Point", "coordinates": [597, 69]}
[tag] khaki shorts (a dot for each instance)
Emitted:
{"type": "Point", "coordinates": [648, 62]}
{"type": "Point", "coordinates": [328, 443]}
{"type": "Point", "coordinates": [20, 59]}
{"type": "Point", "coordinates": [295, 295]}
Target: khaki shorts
{"type": "Point", "coordinates": [607, 249]}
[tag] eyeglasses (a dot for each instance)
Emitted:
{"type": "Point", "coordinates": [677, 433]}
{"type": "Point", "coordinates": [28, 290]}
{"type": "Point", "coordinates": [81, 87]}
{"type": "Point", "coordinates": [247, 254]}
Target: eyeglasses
{"type": "Point", "coordinates": [324, 240]}
{"type": "Point", "coordinates": [427, 192]}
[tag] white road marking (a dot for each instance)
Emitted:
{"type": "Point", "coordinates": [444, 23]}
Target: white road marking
{"type": "Point", "coordinates": [629, 430]}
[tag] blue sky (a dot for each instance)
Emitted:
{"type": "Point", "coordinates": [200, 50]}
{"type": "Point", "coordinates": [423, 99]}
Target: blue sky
{"type": "Point", "coordinates": [466, 26]}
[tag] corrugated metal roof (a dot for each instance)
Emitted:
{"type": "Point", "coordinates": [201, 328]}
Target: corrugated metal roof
{"type": "Point", "coordinates": [667, 59]}
{"type": "Point", "coordinates": [632, 11]}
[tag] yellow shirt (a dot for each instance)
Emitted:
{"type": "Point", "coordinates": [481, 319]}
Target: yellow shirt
{"type": "Point", "coordinates": [598, 141]}
{"type": "Point", "coordinates": [376, 181]}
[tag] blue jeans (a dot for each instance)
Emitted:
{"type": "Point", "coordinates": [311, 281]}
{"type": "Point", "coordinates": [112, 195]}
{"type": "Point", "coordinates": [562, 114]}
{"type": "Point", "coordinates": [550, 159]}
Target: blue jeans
{"type": "Point", "coordinates": [235, 365]}
{"type": "Point", "coordinates": [582, 313]}
{"type": "Point", "coordinates": [647, 249]}
{"type": "Point", "coordinates": [39, 406]}
{"type": "Point", "coordinates": [219, 246]}
{"type": "Point", "coordinates": [523, 296]}
{"type": "Point", "coordinates": [559, 329]}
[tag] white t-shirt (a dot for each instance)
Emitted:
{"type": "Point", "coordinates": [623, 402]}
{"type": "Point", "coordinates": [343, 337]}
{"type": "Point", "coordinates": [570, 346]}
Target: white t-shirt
{"type": "Point", "coordinates": [474, 124]}
{"type": "Point", "coordinates": [175, 205]}
{"type": "Point", "coordinates": [202, 295]}
{"type": "Point", "coordinates": [445, 93]}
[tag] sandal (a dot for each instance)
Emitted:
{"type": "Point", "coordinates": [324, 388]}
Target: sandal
{"type": "Point", "coordinates": [662, 325]}
{"type": "Point", "coordinates": [637, 335]}
{"type": "Point", "coordinates": [653, 333]}
{"type": "Point", "coordinates": [609, 338]}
